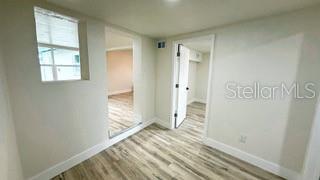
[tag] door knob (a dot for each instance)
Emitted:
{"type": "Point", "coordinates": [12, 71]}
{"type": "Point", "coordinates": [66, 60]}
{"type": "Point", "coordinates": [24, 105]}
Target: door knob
{"type": "Point", "coordinates": [187, 88]}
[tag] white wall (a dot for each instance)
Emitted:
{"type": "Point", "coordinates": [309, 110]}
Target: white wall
{"type": "Point", "coordinates": [312, 164]}
{"type": "Point", "coordinates": [192, 80]}
{"type": "Point", "coordinates": [10, 165]}
{"type": "Point", "coordinates": [56, 121]}
{"type": "Point", "coordinates": [198, 79]}
{"type": "Point", "coordinates": [163, 84]}
{"type": "Point", "coordinates": [269, 50]}
{"type": "Point", "coordinates": [148, 74]}
{"type": "Point", "coordinates": [119, 71]}
{"type": "Point", "coordinates": [202, 78]}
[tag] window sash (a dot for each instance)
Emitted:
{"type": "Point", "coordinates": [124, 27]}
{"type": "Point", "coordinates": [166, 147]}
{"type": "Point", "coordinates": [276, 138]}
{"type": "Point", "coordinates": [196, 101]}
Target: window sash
{"type": "Point", "coordinates": [52, 52]}
{"type": "Point", "coordinates": [52, 45]}
{"type": "Point", "coordinates": [55, 28]}
{"type": "Point", "coordinates": [54, 65]}
{"type": "Point", "coordinates": [60, 65]}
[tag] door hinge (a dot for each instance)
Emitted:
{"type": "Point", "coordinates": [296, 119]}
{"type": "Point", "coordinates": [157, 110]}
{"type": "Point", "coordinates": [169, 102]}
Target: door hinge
{"type": "Point", "coordinates": [178, 53]}
{"type": "Point", "coordinates": [175, 115]}
{"type": "Point", "coordinates": [177, 85]}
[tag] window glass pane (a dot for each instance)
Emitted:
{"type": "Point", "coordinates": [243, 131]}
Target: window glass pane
{"type": "Point", "coordinates": [66, 57]}
{"type": "Point", "coordinates": [46, 73]}
{"type": "Point", "coordinates": [57, 29]}
{"type": "Point", "coordinates": [45, 56]}
{"type": "Point", "coordinates": [58, 45]}
{"type": "Point", "coordinates": [68, 72]}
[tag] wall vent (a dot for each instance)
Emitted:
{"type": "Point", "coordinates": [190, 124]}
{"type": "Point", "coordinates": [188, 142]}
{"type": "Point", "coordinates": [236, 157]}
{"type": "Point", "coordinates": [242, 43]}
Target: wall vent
{"type": "Point", "coordinates": [161, 44]}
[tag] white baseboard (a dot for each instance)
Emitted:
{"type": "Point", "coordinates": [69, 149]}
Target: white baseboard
{"type": "Point", "coordinates": [71, 162]}
{"type": "Point", "coordinates": [132, 131]}
{"type": "Point", "coordinates": [196, 100]}
{"type": "Point", "coordinates": [65, 165]}
{"type": "Point", "coordinates": [163, 123]}
{"type": "Point", "coordinates": [119, 92]}
{"type": "Point", "coordinates": [254, 160]}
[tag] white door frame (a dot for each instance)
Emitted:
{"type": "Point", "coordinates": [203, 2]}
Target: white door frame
{"type": "Point", "coordinates": [174, 79]}
{"type": "Point", "coordinates": [137, 75]}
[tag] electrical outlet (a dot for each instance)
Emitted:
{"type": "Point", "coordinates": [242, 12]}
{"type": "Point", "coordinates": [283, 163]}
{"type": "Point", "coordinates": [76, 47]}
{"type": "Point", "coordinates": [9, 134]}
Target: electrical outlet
{"type": "Point", "coordinates": [243, 139]}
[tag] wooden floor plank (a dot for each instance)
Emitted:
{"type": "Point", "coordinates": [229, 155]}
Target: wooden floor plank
{"type": "Point", "coordinates": [120, 116]}
{"type": "Point", "coordinates": [159, 153]}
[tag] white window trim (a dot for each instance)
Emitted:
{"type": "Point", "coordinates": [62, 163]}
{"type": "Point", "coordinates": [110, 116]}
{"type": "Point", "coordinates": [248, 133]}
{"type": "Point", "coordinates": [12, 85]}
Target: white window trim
{"type": "Point", "coordinates": [58, 46]}
{"type": "Point", "coordinates": [53, 65]}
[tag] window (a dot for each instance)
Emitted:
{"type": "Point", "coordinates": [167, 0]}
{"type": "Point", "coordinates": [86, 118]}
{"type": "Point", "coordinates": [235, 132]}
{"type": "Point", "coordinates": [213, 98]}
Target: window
{"type": "Point", "coordinates": [58, 46]}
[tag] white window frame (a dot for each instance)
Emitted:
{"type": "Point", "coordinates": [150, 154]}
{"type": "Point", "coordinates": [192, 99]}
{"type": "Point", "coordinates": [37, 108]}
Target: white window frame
{"type": "Point", "coordinates": [54, 46]}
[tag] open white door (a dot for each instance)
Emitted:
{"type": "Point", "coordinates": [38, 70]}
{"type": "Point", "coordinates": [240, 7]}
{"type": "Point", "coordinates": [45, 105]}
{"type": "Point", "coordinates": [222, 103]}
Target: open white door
{"type": "Point", "coordinates": [182, 95]}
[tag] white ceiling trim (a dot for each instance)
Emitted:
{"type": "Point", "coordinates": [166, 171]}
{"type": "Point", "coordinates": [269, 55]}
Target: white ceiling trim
{"type": "Point", "coordinates": [120, 48]}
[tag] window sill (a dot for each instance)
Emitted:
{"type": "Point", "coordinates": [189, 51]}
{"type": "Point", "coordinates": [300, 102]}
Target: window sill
{"type": "Point", "coordinates": [62, 81]}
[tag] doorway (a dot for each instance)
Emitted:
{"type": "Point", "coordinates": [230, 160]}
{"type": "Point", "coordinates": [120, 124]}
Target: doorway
{"type": "Point", "coordinates": [121, 59]}
{"type": "Point", "coordinates": [192, 66]}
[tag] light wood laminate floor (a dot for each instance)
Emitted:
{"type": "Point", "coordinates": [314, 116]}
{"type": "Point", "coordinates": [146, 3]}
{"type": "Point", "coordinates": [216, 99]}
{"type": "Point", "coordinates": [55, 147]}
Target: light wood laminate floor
{"type": "Point", "coordinates": [159, 153]}
{"type": "Point", "coordinates": [120, 108]}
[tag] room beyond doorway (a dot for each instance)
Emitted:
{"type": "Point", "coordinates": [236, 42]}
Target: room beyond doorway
{"type": "Point", "coordinates": [120, 112]}
{"type": "Point", "coordinates": [192, 61]}
{"type": "Point", "coordinates": [120, 48]}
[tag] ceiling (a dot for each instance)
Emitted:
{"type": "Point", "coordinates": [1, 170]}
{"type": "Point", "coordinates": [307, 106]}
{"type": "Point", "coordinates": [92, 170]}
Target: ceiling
{"type": "Point", "coordinates": [117, 41]}
{"type": "Point", "coordinates": [162, 18]}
